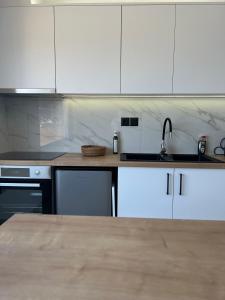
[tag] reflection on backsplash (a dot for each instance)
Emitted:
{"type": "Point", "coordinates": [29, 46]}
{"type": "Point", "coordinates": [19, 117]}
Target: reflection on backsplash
{"type": "Point", "coordinates": [66, 124]}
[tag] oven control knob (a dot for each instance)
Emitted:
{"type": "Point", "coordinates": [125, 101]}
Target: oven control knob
{"type": "Point", "coordinates": [37, 172]}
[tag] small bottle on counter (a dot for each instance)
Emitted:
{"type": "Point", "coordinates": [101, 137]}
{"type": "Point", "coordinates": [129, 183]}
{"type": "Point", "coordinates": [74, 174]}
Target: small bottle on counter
{"type": "Point", "coordinates": [202, 145]}
{"type": "Point", "coordinates": [115, 143]}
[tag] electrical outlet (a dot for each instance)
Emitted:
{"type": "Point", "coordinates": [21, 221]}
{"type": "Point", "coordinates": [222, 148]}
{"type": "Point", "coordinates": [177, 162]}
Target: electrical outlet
{"type": "Point", "coordinates": [125, 121]}
{"type": "Point", "coordinates": [133, 121]}
{"type": "Point", "coordinates": [129, 121]}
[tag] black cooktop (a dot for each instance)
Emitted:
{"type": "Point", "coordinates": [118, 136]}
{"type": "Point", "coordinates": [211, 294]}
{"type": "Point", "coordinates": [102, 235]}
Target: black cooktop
{"type": "Point", "coordinates": [30, 155]}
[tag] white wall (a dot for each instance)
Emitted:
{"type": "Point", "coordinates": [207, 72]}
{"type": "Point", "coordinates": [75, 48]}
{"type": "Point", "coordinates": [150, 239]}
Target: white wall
{"type": "Point", "coordinates": [66, 124]}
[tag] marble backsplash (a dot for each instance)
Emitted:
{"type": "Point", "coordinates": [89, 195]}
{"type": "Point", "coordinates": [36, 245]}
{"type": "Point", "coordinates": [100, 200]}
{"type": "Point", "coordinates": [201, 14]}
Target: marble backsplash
{"type": "Point", "coordinates": [64, 124]}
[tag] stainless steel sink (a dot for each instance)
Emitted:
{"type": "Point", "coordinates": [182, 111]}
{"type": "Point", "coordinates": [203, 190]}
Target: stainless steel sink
{"type": "Point", "coordinates": [151, 157]}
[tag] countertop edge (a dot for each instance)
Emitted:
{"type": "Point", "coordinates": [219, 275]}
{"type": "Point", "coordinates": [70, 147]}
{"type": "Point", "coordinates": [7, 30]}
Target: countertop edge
{"type": "Point", "coordinates": [77, 160]}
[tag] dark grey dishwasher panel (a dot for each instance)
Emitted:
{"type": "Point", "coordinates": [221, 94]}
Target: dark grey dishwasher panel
{"type": "Point", "coordinates": [84, 192]}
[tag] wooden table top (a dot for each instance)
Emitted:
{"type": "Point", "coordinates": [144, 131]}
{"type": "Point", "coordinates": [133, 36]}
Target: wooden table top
{"type": "Point", "coordinates": [102, 258]}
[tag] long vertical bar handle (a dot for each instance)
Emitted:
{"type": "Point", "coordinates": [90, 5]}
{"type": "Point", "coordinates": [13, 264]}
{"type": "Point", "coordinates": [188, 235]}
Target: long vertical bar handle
{"type": "Point", "coordinates": [181, 184]}
{"type": "Point", "coordinates": [113, 200]}
{"type": "Point", "coordinates": [168, 184]}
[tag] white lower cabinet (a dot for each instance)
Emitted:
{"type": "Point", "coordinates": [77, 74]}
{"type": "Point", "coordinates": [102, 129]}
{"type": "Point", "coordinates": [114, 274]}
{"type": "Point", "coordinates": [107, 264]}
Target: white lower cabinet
{"type": "Point", "coordinates": [145, 192]}
{"type": "Point", "coordinates": [195, 194]}
{"type": "Point", "coordinates": [199, 194]}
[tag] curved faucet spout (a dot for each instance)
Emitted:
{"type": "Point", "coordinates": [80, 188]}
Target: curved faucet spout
{"type": "Point", "coordinates": [163, 144]}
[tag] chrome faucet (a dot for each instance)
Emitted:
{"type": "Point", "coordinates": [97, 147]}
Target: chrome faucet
{"type": "Point", "coordinates": [163, 144]}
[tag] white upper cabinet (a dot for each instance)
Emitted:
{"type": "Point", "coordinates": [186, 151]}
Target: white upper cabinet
{"type": "Point", "coordinates": [88, 49]}
{"type": "Point", "coordinates": [106, 49]}
{"type": "Point", "coordinates": [147, 49]}
{"type": "Point", "coordinates": [199, 49]}
{"type": "Point", "coordinates": [199, 194]}
{"type": "Point", "coordinates": [145, 192]}
{"type": "Point", "coordinates": [27, 48]}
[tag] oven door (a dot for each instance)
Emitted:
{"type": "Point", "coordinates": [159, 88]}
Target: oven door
{"type": "Point", "coordinates": [24, 196]}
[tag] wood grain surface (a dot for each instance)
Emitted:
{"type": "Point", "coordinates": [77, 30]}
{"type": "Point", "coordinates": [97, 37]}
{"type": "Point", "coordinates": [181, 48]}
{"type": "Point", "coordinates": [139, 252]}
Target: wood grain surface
{"type": "Point", "coordinates": [110, 160]}
{"type": "Point", "coordinates": [100, 258]}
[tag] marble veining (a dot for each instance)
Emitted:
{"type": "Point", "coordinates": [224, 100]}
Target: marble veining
{"type": "Point", "coordinates": [66, 123]}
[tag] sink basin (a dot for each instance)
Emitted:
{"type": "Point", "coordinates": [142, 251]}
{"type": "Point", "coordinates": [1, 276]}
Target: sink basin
{"type": "Point", "coordinates": [141, 157]}
{"type": "Point", "coordinates": [190, 158]}
{"type": "Point", "coordinates": [167, 158]}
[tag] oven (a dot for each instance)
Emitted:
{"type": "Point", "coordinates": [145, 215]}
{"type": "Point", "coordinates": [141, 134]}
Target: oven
{"type": "Point", "coordinates": [25, 189]}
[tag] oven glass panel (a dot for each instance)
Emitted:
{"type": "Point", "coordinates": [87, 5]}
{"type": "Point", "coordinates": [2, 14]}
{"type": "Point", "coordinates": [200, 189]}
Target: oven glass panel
{"type": "Point", "coordinates": [19, 201]}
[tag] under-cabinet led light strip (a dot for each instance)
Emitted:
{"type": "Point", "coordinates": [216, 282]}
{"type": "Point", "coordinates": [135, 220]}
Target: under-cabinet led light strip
{"type": "Point", "coordinates": [64, 2]}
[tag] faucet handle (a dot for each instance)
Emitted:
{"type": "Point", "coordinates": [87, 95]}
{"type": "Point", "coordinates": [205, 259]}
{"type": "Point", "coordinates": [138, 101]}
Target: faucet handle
{"type": "Point", "coordinates": [163, 148]}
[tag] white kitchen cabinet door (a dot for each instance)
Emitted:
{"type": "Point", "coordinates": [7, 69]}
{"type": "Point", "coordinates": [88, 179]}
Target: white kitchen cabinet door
{"type": "Point", "coordinates": [147, 49]}
{"type": "Point", "coordinates": [200, 195]}
{"type": "Point", "coordinates": [88, 49]}
{"type": "Point", "coordinates": [145, 192]}
{"type": "Point", "coordinates": [199, 63]}
{"type": "Point", "coordinates": [27, 48]}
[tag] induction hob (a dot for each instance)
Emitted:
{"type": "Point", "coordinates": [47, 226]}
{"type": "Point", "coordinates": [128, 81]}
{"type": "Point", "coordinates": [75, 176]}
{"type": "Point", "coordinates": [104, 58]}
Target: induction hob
{"type": "Point", "coordinates": [30, 155]}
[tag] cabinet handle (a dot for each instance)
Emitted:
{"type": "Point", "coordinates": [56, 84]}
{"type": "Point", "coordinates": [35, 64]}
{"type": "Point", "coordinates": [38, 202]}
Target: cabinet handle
{"type": "Point", "coordinates": [113, 201]}
{"type": "Point", "coordinates": [168, 184]}
{"type": "Point", "coordinates": [181, 184]}
{"type": "Point", "coordinates": [15, 184]}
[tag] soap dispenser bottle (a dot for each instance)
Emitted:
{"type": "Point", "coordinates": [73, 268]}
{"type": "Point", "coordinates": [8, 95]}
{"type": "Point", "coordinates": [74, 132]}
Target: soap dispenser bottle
{"type": "Point", "coordinates": [202, 145]}
{"type": "Point", "coordinates": [115, 142]}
